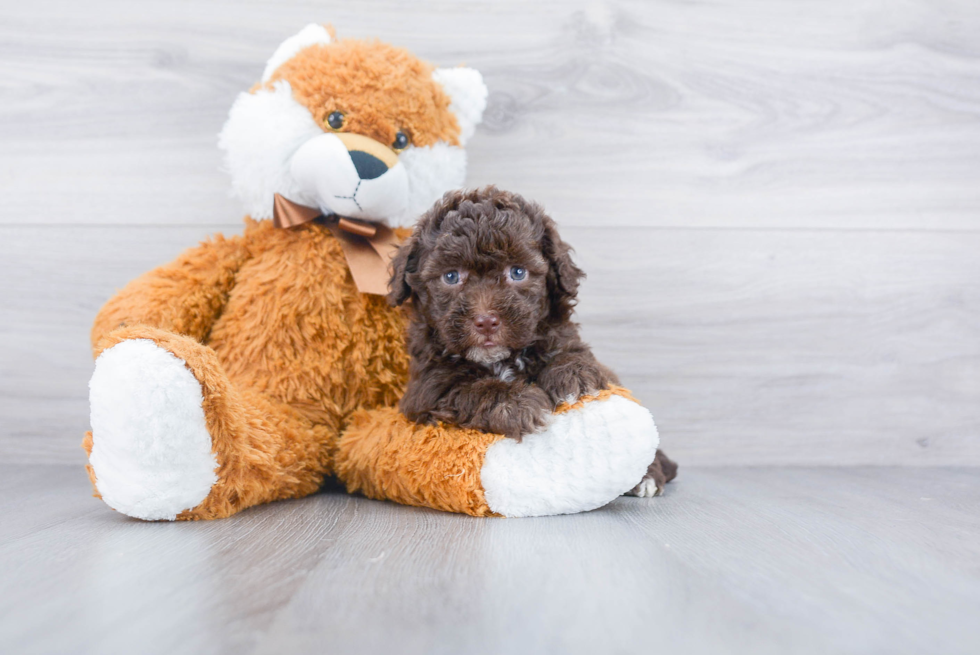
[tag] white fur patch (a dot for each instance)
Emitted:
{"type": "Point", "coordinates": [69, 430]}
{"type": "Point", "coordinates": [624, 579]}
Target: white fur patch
{"type": "Point", "coordinates": [432, 170]}
{"type": "Point", "coordinates": [322, 168]}
{"type": "Point", "coordinates": [468, 96]}
{"type": "Point", "coordinates": [263, 131]}
{"type": "Point", "coordinates": [151, 447]}
{"type": "Point", "coordinates": [487, 356]}
{"type": "Point", "coordinates": [503, 373]}
{"type": "Point", "coordinates": [312, 34]}
{"type": "Point", "coordinates": [585, 459]}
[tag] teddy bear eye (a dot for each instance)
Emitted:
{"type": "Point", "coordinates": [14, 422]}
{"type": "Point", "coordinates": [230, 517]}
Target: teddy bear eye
{"type": "Point", "coordinates": [400, 142]}
{"type": "Point", "coordinates": [517, 273]}
{"type": "Point", "coordinates": [335, 120]}
{"type": "Point", "coordinates": [451, 277]}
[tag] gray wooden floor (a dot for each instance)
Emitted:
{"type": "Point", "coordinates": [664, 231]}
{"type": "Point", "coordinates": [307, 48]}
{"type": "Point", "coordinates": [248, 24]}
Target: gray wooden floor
{"type": "Point", "coordinates": [740, 560]}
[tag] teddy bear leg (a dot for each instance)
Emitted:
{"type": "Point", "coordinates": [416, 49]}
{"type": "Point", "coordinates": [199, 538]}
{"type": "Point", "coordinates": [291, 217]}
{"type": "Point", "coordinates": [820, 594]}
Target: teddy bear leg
{"type": "Point", "coordinates": [172, 438]}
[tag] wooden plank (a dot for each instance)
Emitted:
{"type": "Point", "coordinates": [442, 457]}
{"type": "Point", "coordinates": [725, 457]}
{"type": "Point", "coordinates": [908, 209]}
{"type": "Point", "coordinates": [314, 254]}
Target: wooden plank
{"type": "Point", "coordinates": [121, 585]}
{"type": "Point", "coordinates": [793, 347]}
{"type": "Point", "coordinates": [776, 347]}
{"type": "Point", "coordinates": [626, 113]}
{"type": "Point", "coordinates": [735, 560]}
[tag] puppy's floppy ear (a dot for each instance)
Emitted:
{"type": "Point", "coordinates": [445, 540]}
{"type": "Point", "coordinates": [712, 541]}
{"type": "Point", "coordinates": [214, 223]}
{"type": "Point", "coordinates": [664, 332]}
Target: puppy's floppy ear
{"type": "Point", "coordinates": [563, 275]}
{"type": "Point", "coordinates": [404, 263]}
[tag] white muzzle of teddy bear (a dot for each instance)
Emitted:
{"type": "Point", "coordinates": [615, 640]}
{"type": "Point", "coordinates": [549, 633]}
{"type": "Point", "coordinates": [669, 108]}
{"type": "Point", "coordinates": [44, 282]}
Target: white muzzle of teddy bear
{"type": "Point", "coordinates": [349, 182]}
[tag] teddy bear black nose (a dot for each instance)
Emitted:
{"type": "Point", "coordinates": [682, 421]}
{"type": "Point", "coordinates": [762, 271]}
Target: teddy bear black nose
{"type": "Point", "coordinates": [367, 166]}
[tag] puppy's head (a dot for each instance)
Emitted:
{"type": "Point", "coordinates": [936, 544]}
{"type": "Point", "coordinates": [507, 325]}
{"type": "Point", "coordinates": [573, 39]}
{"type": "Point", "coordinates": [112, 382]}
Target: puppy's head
{"type": "Point", "coordinates": [487, 272]}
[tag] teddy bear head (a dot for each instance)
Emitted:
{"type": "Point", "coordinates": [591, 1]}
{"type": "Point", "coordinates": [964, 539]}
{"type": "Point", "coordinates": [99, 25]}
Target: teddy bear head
{"type": "Point", "coordinates": [360, 129]}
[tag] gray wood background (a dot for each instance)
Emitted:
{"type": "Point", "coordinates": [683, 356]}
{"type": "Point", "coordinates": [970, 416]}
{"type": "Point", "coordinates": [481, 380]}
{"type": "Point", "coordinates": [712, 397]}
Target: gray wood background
{"type": "Point", "coordinates": [778, 204]}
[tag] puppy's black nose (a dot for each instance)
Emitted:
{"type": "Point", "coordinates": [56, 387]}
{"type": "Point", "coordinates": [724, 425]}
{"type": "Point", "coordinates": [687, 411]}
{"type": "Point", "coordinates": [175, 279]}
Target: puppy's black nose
{"type": "Point", "coordinates": [487, 324]}
{"type": "Point", "coordinates": [367, 166]}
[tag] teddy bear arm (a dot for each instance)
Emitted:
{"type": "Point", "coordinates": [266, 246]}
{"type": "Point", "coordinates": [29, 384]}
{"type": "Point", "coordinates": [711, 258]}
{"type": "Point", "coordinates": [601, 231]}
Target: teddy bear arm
{"type": "Point", "coordinates": [594, 450]}
{"type": "Point", "coordinates": [185, 296]}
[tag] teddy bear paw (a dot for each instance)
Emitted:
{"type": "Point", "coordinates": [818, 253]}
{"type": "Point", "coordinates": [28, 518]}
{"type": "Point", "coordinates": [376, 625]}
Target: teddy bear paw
{"type": "Point", "coordinates": [586, 458]}
{"type": "Point", "coordinates": [151, 452]}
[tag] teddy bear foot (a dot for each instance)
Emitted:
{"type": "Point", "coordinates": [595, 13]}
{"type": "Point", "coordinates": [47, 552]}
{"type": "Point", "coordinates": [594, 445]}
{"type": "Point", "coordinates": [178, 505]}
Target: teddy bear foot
{"type": "Point", "coordinates": [591, 453]}
{"type": "Point", "coordinates": [151, 450]}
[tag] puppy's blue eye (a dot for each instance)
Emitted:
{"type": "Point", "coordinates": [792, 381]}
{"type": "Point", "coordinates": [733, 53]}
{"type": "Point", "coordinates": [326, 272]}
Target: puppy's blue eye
{"type": "Point", "coordinates": [451, 277]}
{"type": "Point", "coordinates": [517, 273]}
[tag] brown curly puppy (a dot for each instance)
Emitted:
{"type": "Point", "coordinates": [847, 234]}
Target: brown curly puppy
{"type": "Point", "coordinates": [491, 342]}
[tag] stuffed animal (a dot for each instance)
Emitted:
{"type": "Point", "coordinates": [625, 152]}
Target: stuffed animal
{"type": "Point", "coordinates": [253, 367]}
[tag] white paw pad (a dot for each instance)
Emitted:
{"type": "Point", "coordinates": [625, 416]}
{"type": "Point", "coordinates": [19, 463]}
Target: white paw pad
{"type": "Point", "coordinates": [151, 448]}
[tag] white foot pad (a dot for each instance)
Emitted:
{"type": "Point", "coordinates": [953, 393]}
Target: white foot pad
{"type": "Point", "coordinates": [586, 458]}
{"type": "Point", "coordinates": [151, 448]}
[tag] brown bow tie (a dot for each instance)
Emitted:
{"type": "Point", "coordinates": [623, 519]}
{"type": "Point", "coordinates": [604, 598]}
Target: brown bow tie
{"type": "Point", "coordinates": [368, 247]}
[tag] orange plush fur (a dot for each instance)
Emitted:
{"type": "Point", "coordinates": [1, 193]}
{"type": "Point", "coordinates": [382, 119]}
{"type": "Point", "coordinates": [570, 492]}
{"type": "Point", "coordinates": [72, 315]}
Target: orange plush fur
{"type": "Point", "coordinates": [379, 88]}
{"type": "Point", "coordinates": [283, 344]}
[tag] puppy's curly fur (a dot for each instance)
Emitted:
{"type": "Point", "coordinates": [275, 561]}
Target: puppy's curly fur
{"type": "Point", "coordinates": [491, 340]}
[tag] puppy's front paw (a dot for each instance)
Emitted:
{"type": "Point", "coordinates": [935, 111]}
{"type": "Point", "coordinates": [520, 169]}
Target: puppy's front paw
{"type": "Point", "coordinates": [572, 380]}
{"type": "Point", "coordinates": [516, 413]}
{"type": "Point", "coordinates": [515, 419]}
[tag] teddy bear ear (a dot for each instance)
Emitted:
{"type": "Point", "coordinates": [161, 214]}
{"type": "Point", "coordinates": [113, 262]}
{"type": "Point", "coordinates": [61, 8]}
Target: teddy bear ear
{"type": "Point", "coordinates": [468, 96]}
{"type": "Point", "coordinates": [312, 34]}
